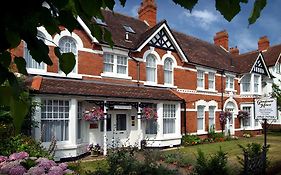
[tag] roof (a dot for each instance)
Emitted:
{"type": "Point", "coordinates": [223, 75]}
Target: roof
{"type": "Point", "coordinates": [197, 51]}
{"type": "Point", "coordinates": [245, 61]}
{"type": "Point", "coordinates": [272, 55]}
{"type": "Point", "coordinates": [98, 89]}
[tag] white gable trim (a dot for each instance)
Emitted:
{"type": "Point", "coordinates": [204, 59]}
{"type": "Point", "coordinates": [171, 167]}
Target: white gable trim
{"type": "Point", "coordinates": [177, 47]}
{"type": "Point", "coordinates": [86, 29]}
{"type": "Point", "coordinates": [277, 59]}
{"type": "Point", "coordinates": [260, 56]}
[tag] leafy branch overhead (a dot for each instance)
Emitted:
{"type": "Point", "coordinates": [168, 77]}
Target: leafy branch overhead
{"type": "Point", "coordinates": [22, 21]}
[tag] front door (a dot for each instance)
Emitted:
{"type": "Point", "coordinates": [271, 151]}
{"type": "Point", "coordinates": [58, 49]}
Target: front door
{"type": "Point", "coordinates": [230, 124]}
{"type": "Point", "coordinates": [120, 133]}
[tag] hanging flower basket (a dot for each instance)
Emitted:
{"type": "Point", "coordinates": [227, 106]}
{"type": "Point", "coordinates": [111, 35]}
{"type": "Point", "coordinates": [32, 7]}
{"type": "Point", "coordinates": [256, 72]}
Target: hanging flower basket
{"type": "Point", "coordinates": [149, 113]}
{"type": "Point", "coordinates": [224, 115]}
{"type": "Point", "coordinates": [95, 114]}
{"type": "Point", "coordinates": [243, 114]}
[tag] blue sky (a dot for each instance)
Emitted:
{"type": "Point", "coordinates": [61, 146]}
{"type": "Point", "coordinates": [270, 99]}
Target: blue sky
{"type": "Point", "coordinates": [204, 21]}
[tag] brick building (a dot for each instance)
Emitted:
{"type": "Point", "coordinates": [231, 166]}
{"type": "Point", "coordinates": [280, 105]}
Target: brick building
{"type": "Point", "coordinates": [186, 80]}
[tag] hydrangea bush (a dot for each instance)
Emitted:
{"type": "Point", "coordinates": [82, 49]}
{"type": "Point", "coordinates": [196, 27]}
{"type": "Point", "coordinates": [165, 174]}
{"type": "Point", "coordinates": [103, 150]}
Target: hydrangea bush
{"type": "Point", "coordinates": [15, 164]}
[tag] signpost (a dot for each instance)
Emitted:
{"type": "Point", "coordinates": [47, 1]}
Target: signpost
{"type": "Point", "coordinates": [265, 109]}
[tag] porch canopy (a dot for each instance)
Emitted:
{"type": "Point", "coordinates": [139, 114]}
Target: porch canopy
{"type": "Point", "coordinates": [63, 86]}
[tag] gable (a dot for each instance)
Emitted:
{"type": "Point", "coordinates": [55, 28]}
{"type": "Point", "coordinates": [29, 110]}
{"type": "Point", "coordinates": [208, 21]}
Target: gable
{"type": "Point", "coordinates": [259, 67]}
{"type": "Point", "coordinates": [162, 37]}
{"type": "Point", "coordinates": [161, 40]}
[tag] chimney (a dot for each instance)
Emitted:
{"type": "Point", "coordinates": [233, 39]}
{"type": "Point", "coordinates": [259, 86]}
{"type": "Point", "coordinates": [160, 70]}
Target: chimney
{"type": "Point", "coordinates": [234, 51]}
{"type": "Point", "coordinates": [221, 39]}
{"type": "Point", "coordinates": [148, 11]}
{"type": "Point", "coordinates": [263, 43]}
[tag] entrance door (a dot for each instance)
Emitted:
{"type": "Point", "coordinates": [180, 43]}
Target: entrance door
{"type": "Point", "coordinates": [120, 130]}
{"type": "Point", "coordinates": [230, 123]}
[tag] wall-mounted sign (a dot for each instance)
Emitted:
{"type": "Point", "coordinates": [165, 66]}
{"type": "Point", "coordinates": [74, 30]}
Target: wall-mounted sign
{"type": "Point", "coordinates": [126, 107]}
{"type": "Point", "coordinates": [266, 108]}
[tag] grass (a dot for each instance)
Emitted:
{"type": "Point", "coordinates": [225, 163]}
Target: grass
{"type": "Point", "coordinates": [231, 147]}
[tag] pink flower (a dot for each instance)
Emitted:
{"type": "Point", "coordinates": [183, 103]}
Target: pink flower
{"type": "Point", "coordinates": [46, 163]}
{"type": "Point", "coordinates": [17, 170]}
{"type": "Point", "coordinates": [3, 158]}
{"type": "Point", "coordinates": [68, 171]}
{"type": "Point", "coordinates": [55, 170]}
{"type": "Point", "coordinates": [36, 171]}
{"type": "Point", "coordinates": [63, 166]}
{"type": "Point", "coordinates": [18, 156]}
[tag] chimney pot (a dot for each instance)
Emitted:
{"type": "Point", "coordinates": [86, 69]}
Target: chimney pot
{"type": "Point", "coordinates": [263, 43]}
{"type": "Point", "coordinates": [221, 39]}
{"type": "Point", "coordinates": [148, 12]}
{"type": "Point", "coordinates": [234, 51]}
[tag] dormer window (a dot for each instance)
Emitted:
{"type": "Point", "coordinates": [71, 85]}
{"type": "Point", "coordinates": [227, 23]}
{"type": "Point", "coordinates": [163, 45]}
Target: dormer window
{"type": "Point", "coordinates": [129, 29]}
{"type": "Point", "coordinates": [100, 22]}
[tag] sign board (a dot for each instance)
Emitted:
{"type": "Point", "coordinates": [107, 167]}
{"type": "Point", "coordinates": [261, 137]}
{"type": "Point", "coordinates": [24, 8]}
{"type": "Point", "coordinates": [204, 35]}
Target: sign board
{"type": "Point", "coordinates": [122, 107]}
{"type": "Point", "coordinates": [266, 108]}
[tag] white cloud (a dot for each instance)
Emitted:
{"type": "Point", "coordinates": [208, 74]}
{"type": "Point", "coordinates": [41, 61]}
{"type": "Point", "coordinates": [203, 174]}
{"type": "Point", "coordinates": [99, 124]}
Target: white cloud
{"type": "Point", "coordinates": [201, 18]}
{"type": "Point", "coordinates": [245, 40]}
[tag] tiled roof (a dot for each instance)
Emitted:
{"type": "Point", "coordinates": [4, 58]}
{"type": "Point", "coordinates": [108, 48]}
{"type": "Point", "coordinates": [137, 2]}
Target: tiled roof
{"type": "Point", "coordinates": [245, 61]}
{"type": "Point", "coordinates": [272, 54]}
{"type": "Point", "coordinates": [97, 89]}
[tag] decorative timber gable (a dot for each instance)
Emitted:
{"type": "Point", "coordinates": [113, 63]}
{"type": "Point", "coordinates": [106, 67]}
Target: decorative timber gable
{"type": "Point", "coordinates": [260, 67]}
{"type": "Point", "coordinates": [161, 40]}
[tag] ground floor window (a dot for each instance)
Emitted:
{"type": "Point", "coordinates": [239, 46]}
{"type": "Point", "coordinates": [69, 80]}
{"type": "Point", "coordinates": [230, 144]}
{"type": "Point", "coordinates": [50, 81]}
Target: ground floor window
{"type": "Point", "coordinates": [200, 118]}
{"type": "Point", "coordinates": [108, 123]}
{"type": "Point", "coordinates": [169, 118]}
{"type": "Point", "coordinates": [55, 120]}
{"type": "Point", "coordinates": [151, 127]}
{"type": "Point", "coordinates": [247, 121]}
{"type": "Point", "coordinates": [79, 120]}
{"type": "Point", "coordinates": [121, 122]}
{"type": "Point", "coordinates": [211, 117]}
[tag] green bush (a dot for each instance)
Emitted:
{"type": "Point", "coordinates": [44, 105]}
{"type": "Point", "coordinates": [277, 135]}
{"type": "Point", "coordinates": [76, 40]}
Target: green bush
{"type": "Point", "coordinates": [22, 143]}
{"type": "Point", "coordinates": [215, 165]}
{"type": "Point", "coordinates": [176, 158]}
{"type": "Point", "coordinates": [188, 140]}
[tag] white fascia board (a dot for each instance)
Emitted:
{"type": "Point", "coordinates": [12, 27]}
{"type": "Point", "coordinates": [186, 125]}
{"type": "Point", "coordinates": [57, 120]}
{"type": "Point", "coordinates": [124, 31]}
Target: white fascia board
{"type": "Point", "coordinates": [87, 30]}
{"type": "Point", "coordinates": [164, 25]}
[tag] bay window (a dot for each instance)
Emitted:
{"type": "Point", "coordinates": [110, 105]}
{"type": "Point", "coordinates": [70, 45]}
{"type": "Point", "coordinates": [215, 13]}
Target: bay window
{"type": "Point", "coordinates": [55, 120]}
{"type": "Point", "coordinates": [151, 68]}
{"type": "Point", "coordinates": [151, 124]}
{"type": "Point", "coordinates": [200, 118]}
{"type": "Point", "coordinates": [79, 120]}
{"type": "Point", "coordinates": [200, 79]}
{"type": "Point", "coordinates": [169, 118]}
{"type": "Point", "coordinates": [246, 83]}
{"type": "Point", "coordinates": [256, 83]}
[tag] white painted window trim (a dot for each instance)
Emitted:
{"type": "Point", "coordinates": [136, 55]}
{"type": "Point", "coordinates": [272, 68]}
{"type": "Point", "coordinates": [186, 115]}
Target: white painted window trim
{"type": "Point", "coordinates": [252, 86]}
{"type": "Point", "coordinates": [200, 88]}
{"type": "Point", "coordinates": [227, 86]}
{"type": "Point", "coordinates": [151, 51]}
{"type": "Point", "coordinates": [214, 83]}
{"type": "Point", "coordinates": [252, 124]}
{"type": "Point", "coordinates": [204, 104]}
{"type": "Point", "coordinates": [174, 64]}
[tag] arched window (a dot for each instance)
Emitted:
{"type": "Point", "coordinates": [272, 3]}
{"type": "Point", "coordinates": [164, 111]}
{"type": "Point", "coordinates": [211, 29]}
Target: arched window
{"type": "Point", "coordinates": [68, 44]}
{"type": "Point", "coordinates": [30, 62]}
{"type": "Point", "coordinates": [151, 68]}
{"type": "Point", "coordinates": [168, 71]}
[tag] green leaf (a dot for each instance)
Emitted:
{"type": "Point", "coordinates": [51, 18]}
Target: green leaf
{"type": "Point", "coordinates": [19, 110]}
{"type": "Point", "coordinates": [67, 62]}
{"type": "Point", "coordinates": [258, 6]}
{"type": "Point", "coordinates": [91, 7]}
{"type": "Point", "coordinates": [122, 2]}
{"type": "Point", "coordinates": [188, 4]}
{"type": "Point", "coordinates": [14, 84]}
{"type": "Point", "coordinates": [57, 52]}
{"type": "Point", "coordinates": [228, 8]}
{"type": "Point", "coordinates": [67, 20]}
{"type": "Point", "coordinates": [107, 37]}
{"type": "Point", "coordinates": [38, 50]}
{"type": "Point", "coordinates": [5, 59]}
{"type": "Point", "coordinates": [13, 38]}
{"type": "Point", "coordinates": [21, 65]}
{"type": "Point", "coordinates": [5, 99]}
{"type": "Point", "coordinates": [109, 4]}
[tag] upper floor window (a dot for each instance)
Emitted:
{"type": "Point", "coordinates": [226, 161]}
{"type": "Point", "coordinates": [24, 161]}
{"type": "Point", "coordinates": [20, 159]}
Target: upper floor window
{"type": "Point", "coordinates": [230, 82]}
{"type": "Point", "coordinates": [151, 68]}
{"type": "Point", "coordinates": [168, 71]}
{"type": "Point", "coordinates": [200, 79]}
{"type": "Point", "coordinates": [278, 69]}
{"type": "Point", "coordinates": [68, 44]}
{"type": "Point", "coordinates": [30, 62]}
{"type": "Point", "coordinates": [211, 80]}
{"type": "Point", "coordinates": [115, 64]}
{"type": "Point", "coordinates": [246, 83]}
{"type": "Point", "coordinates": [256, 83]}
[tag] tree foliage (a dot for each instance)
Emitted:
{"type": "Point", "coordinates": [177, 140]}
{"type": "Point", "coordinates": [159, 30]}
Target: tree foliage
{"type": "Point", "coordinates": [20, 20]}
{"type": "Point", "coordinates": [276, 92]}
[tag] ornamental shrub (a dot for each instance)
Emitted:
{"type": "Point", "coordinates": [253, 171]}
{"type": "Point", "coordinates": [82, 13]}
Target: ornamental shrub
{"type": "Point", "coordinates": [189, 140]}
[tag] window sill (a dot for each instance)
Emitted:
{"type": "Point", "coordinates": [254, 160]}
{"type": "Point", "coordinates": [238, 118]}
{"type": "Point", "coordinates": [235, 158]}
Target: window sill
{"type": "Point", "coordinates": [158, 85]}
{"type": "Point", "coordinates": [112, 75]}
{"type": "Point", "coordinates": [230, 90]}
{"type": "Point", "coordinates": [70, 75]}
{"type": "Point", "coordinates": [206, 90]}
{"type": "Point", "coordinates": [201, 132]}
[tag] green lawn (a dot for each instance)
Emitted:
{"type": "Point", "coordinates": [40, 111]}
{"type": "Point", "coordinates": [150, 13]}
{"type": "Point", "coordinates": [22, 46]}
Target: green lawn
{"type": "Point", "coordinates": [231, 147]}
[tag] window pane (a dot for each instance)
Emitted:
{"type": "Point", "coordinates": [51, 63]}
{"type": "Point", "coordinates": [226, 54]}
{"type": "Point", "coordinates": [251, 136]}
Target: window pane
{"type": "Point", "coordinates": [200, 79]}
{"type": "Point", "coordinates": [247, 121]}
{"type": "Point", "coordinates": [121, 65]}
{"type": "Point", "coordinates": [169, 117]}
{"type": "Point", "coordinates": [211, 116]}
{"type": "Point", "coordinates": [121, 122]}
{"type": "Point", "coordinates": [151, 127]}
{"type": "Point", "coordinates": [151, 68]}
{"type": "Point", "coordinates": [108, 62]}
{"type": "Point", "coordinates": [246, 81]}
{"type": "Point", "coordinates": [256, 83]}
{"type": "Point", "coordinates": [200, 117]}
{"type": "Point", "coordinates": [211, 80]}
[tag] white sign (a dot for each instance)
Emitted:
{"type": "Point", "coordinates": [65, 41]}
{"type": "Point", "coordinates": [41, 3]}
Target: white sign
{"type": "Point", "coordinates": [266, 108]}
{"type": "Point", "coordinates": [122, 107]}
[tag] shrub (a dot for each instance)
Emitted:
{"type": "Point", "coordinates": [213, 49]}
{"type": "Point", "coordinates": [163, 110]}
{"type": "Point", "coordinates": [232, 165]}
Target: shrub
{"type": "Point", "coordinates": [253, 153]}
{"type": "Point", "coordinates": [22, 143]}
{"type": "Point", "coordinates": [176, 158]}
{"type": "Point", "coordinates": [188, 140]}
{"type": "Point", "coordinates": [215, 165]}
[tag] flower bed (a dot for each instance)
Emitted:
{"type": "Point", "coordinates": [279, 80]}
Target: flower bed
{"type": "Point", "coordinates": [20, 163]}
